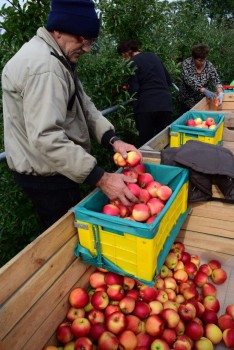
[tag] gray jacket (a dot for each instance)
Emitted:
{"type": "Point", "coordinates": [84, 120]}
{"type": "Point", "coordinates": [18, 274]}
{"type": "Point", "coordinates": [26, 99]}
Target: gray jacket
{"type": "Point", "coordinates": [42, 137]}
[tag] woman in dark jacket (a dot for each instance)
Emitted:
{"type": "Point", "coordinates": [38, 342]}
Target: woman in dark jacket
{"type": "Point", "coordinates": [151, 81]}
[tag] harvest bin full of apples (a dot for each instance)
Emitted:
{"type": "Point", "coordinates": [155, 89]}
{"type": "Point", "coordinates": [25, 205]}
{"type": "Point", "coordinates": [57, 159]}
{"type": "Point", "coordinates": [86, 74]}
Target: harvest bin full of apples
{"type": "Point", "coordinates": [197, 125]}
{"type": "Point", "coordinates": [134, 241]}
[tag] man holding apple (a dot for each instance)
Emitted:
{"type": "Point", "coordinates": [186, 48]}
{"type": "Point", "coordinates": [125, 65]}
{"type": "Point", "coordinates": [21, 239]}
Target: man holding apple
{"type": "Point", "coordinates": [48, 117]}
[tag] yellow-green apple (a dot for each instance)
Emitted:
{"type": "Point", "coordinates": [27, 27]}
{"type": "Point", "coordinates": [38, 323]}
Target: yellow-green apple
{"type": "Point", "coordinates": [225, 321]}
{"type": "Point", "coordinates": [64, 332]}
{"type": "Point", "coordinates": [96, 316]}
{"type": "Point", "coordinates": [115, 292]}
{"type": "Point", "coordinates": [169, 335]}
{"type": "Point", "coordinates": [162, 296]}
{"type": "Point", "coordinates": [219, 276]}
{"type": "Point", "coordinates": [110, 309]}
{"type": "Point", "coordinates": [83, 343]}
{"type": "Point", "coordinates": [214, 333]}
{"type": "Point", "coordinates": [214, 264]}
{"type": "Point", "coordinates": [50, 347]}
{"type": "Point", "coordinates": [100, 300]}
{"type": "Point", "coordinates": [89, 306]}
{"type": "Point", "coordinates": [127, 304]}
{"type": "Point", "coordinates": [208, 289]}
{"type": "Point", "coordinates": [169, 304]}
{"type": "Point", "coordinates": [228, 337]}
{"type": "Point", "coordinates": [80, 327]}
{"type": "Point", "coordinates": [144, 179]}
{"type": "Point", "coordinates": [191, 269]}
{"type": "Point", "coordinates": [78, 297]}
{"type": "Point", "coordinates": [152, 187]}
{"type": "Point", "coordinates": [142, 309]}
{"type": "Point", "coordinates": [140, 168]}
{"type": "Point", "coordinates": [134, 324]}
{"type": "Point", "coordinates": [212, 127]}
{"type": "Point", "coordinates": [74, 312]}
{"type": "Point", "coordinates": [69, 346]}
{"type": "Point", "coordinates": [159, 282]}
{"type": "Point", "coordinates": [190, 292]}
{"type": "Point", "coordinates": [180, 298]}
{"type": "Point", "coordinates": [113, 278]}
{"type": "Point", "coordinates": [171, 260]}
{"type": "Point", "coordinates": [141, 212]}
{"type": "Point", "coordinates": [144, 340]}
{"type": "Point", "coordinates": [171, 293]}
{"type": "Point", "coordinates": [180, 275]}
{"type": "Point", "coordinates": [180, 328]}
{"type": "Point", "coordinates": [134, 293]}
{"type": "Point", "coordinates": [211, 303]}
{"type": "Point", "coordinates": [209, 316]}
{"type": "Point", "coordinates": [194, 330]}
{"type": "Point", "coordinates": [144, 196]}
{"type": "Point", "coordinates": [119, 160]}
{"type": "Point", "coordinates": [128, 283]}
{"type": "Point", "coordinates": [186, 257]}
{"type": "Point", "coordinates": [210, 121]}
{"type": "Point", "coordinates": [128, 340]}
{"type": "Point", "coordinates": [198, 120]}
{"type": "Point", "coordinates": [155, 307]}
{"type": "Point", "coordinates": [195, 259]}
{"type": "Point", "coordinates": [190, 122]}
{"type": "Point", "coordinates": [154, 325]}
{"type": "Point", "coordinates": [203, 344]}
{"type": "Point", "coordinates": [116, 322]}
{"type": "Point", "coordinates": [131, 172]}
{"type": "Point", "coordinates": [164, 271]}
{"type": "Point", "coordinates": [133, 158]}
{"type": "Point", "coordinates": [205, 268]}
{"type": "Point", "coordinates": [171, 317]}
{"type": "Point", "coordinates": [187, 312]}
{"type": "Point", "coordinates": [230, 310]}
{"type": "Point", "coordinates": [200, 278]}
{"type": "Point", "coordinates": [159, 344]}
{"type": "Point", "coordinates": [155, 205]}
{"type": "Point", "coordinates": [111, 209]}
{"type": "Point", "coordinates": [147, 293]}
{"type": "Point", "coordinates": [134, 188]}
{"type": "Point", "coordinates": [108, 341]}
{"type": "Point", "coordinates": [164, 192]}
{"type": "Point", "coordinates": [96, 331]}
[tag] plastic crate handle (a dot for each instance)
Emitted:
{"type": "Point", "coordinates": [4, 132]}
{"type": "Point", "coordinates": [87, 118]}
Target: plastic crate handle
{"type": "Point", "coordinates": [97, 245]}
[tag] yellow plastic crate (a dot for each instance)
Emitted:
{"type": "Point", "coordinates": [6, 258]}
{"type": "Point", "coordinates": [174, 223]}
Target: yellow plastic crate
{"type": "Point", "coordinates": [180, 133]}
{"type": "Point", "coordinates": [131, 248]}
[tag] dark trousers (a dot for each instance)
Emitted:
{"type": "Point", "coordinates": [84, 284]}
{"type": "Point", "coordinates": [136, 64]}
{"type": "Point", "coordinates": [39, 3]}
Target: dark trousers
{"type": "Point", "coordinates": [150, 124]}
{"type": "Point", "coordinates": [52, 196]}
{"type": "Point", "coordinates": [183, 108]}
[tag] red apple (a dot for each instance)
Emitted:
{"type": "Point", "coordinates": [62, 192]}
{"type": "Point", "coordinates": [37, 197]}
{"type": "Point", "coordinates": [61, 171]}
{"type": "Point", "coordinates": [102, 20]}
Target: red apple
{"type": "Point", "coordinates": [155, 205]}
{"type": "Point", "coordinates": [141, 310]}
{"type": "Point", "coordinates": [190, 122]}
{"type": "Point", "coordinates": [110, 309]}
{"type": "Point", "coordinates": [164, 192]}
{"type": "Point", "coordinates": [209, 289]}
{"type": "Point", "coordinates": [186, 257]}
{"type": "Point", "coordinates": [96, 331]}
{"type": "Point", "coordinates": [78, 297]}
{"type": "Point", "coordinates": [219, 276]}
{"type": "Point", "coordinates": [144, 179]}
{"type": "Point", "coordinates": [83, 343]}
{"type": "Point", "coordinates": [190, 292]}
{"type": "Point", "coordinates": [154, 325]}
{"type": "Point", "coordinates": [115, 292]}
{"type": "Point", "coordinates": [128, 340]}
{"type": "Point", "coordinates": [152, 188]}
{"type": "Point", "coordinates": [214, 264]}
{"type": "Point", "coordinates": [134, 293]}
{"type": "Point", "coordinates": [100, 300]}
{"type": "Point", "coordinates": [210, 121]}
{"type": "Point", "coordinates": [195, 259]}
{"type": "Point", "coordinates": [131, 172]}
{"type": "Point", "coordinates": [182, 344]}
{"type": "Point", "coordinates": [134, 188]}
{"type": "Point", "coordinates": [170, 282]}
{"type": "Point", "coordinates": [134, 324]}
{"type": "Point", "coordinates": [143, 340]}
{"type": "Point", "coordinates": [169, 335]}
{"type": "Point", "coordinates": [187, 312]}
{"type": "Point", "coordinates": [111, 209]}
{"type": "Point", "coordinates": [108, 341]}
{"type": "Point", "coordinates": [64, 333]}
{"type": "Point", "coordinates": [225, 321]}
{"type": "Point", "coordinates": [170, 304]}
{"type": "Point", "coordinates": [230, 310]}
{"type": "Point", "coordinates": [180, 328]}
{"type": "Point", "coordinates": [128, 283]}
{"type": "Point", "coordinates": [162, 296]}
{"type": "Point", "coordinates": [194, 330]}
{"type": "Point", "coordinates": [96, 316]}
{"type": "Point", "coordinates": [228, 337]}
{"type": "Point", "coordinates": [209, 316]}
{"type": "Point", "coordinates": [133, 158]}
{"type": "Point", "coordinates": [97, 279]}
{"type": "Point", "coordinates": [171, 318]}
{"type": "Point", "coordinates": [190, 268]}
{"type": "Point", "coordinates": [73, 313]}
{"type": "Point", "coordinates": [113, 278]}
{"type": "Point", "coordinates": [141, 212]}
{"type": "Point", "coordinates": [80, 327]}
{"type": "Point", "coordinates": [171, 260]}
{"type": "Point", "coordinates": [206, 269]}
{"type": "Point", "coordinates": [214, 333]}
{"type": "Point", "coordinates": [211, 303]}
{"type": "Point", "coordinates": [127, 304]}
{"type": "Point", "coordinates": [155, 307]}
{"type": "Point", "coordinates": [180, 275]}
{"type": "Point", "coordinates": [119, 160]}
{"type": "Point", "coordinates": [140, 168]}
{"type": "Point", "coordinates": [116, 322]}
{"type": "Point", "coordinates": [200, 278]}
{"type": "Point", "coordinates": [147, 293]}
{"type": "Point", "coordinates": [144, 196]}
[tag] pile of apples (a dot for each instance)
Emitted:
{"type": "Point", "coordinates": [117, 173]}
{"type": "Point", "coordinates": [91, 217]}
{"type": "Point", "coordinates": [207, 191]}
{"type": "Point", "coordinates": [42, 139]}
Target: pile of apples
{"type": "Point", "coordinates": [208, 123]}
{"type": "Point", "coordinates": [152, 195]}
{"type": "Point", "coordinates": [179, 312]}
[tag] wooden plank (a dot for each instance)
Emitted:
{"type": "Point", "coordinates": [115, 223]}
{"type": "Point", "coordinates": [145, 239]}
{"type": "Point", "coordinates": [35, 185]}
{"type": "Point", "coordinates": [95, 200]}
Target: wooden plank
{"type": "Point", "coordinates": [229, 120]}
{"type": "Point", "coordinates": [30, 259]}
{"type": "Point", "coordinates": [35, 287]}
{"type": "Point", "coordinates": [214, 210]}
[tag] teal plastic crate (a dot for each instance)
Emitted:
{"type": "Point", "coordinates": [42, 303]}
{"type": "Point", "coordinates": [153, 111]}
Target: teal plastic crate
{"type": "Point", "coordinates": [118, 244]}
{"type": "Point", "coordinates": [180, 133]}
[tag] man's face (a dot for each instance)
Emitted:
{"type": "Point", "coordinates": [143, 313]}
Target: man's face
{"type": "Point", "coordinates": [73, 46]}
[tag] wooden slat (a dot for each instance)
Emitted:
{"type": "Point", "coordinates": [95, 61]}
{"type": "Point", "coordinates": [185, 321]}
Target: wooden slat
{"type": "Point", "coordinates": [30, 259]}
{"type": "Point", "coordinates": [214, 210]}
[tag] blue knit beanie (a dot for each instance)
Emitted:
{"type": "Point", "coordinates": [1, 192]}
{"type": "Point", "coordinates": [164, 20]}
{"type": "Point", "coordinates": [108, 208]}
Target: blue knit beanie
{"type": "Point", "coordinates": [74, 17]}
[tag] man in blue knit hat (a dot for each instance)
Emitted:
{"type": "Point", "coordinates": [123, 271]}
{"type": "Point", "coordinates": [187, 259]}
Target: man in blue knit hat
{"type": "Point", "coordinates": [48, 118]}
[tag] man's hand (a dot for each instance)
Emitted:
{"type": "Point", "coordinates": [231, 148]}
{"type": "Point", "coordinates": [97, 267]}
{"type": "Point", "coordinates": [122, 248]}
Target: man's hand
{"type": "Point", "coordinates": [123, 148]}
{"type": "Point", "coordinates": [114, 185]}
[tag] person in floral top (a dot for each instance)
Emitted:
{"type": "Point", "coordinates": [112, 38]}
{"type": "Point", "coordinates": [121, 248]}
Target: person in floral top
{"type": "Point", "coordinates": [197, 73]}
